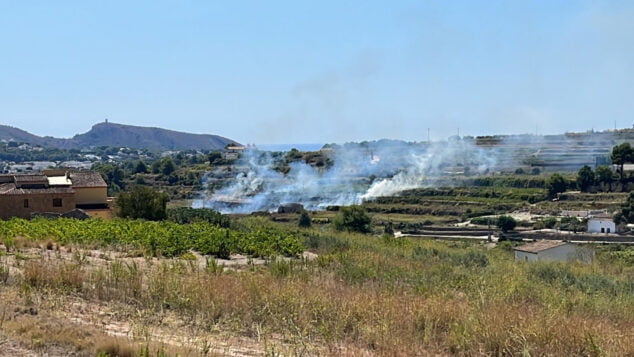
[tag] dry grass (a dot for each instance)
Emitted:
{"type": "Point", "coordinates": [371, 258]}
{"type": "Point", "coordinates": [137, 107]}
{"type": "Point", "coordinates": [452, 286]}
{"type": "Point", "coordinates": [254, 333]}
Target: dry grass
{"type": "Point", "coordinates": [363, 295]}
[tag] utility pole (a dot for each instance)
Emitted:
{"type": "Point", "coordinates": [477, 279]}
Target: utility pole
{"type": "Point", "coordinates": [489, 224]}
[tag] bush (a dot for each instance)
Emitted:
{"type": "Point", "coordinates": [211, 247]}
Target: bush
{"type": "Point", "coordinates": [304, 220]}
{"type": "Point", "coordinates": [142, 203]}
{"type": "Point", "coordinates": [549, 223]}
{"type": "Point", "coordinates": [506, 223]}
{"type": "Point", "coordinates": [354, 219]}
{"type": "Point", "coordinates": [555, 184]}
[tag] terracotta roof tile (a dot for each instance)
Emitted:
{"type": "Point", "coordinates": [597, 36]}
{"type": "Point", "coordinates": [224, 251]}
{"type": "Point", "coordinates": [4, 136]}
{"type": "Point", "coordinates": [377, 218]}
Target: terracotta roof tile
{"type": "Point", "coordinates": [539, 246]}
{"type": "Point", "coordinates": [30, 178]}
{"type": "Point", "coordinates": [11, 189]}
{"type": "Point", "coordinates": [84, 179]}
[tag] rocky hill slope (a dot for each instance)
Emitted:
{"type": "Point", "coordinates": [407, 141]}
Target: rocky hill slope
{"type": "Point", "coordinates": [111, 134]}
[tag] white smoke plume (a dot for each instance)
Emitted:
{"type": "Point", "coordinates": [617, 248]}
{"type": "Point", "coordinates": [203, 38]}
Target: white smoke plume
{"type": "Point", "coordinates": [368, 170]}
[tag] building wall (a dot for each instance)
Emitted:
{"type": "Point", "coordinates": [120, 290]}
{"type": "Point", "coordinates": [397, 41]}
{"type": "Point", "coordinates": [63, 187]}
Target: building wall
{"type": "Point", "coordinates": [595, 225]}
{"type": "Point", "coordinates": [91, 195]}
{"type": "Point", "coordinates": [525, 256]}
{"type": "Point", "coordinates": [13, 205]}
{"type": "Point", "coordinates": [563, 253]}
{"type": "Point", "coordinates": [231, 155]}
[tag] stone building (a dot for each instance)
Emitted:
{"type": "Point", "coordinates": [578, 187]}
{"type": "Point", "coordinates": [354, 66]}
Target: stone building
{"type": "Point", "coordinates": [553, 250]}
{"type": "Point", "coordinates": [50, 192]}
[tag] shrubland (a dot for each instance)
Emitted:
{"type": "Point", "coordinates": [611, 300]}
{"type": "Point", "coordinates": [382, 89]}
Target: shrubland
{"type": "Point", "coordinates": [362, 294]}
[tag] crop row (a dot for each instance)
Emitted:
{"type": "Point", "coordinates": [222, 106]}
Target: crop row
{"type": "Point", "coordinates": [156, 238]}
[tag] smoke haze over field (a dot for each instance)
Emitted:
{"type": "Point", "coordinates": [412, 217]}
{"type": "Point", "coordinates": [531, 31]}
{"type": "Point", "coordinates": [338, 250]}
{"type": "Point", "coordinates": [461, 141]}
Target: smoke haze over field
{"type": "Point", "coordinates": [364, 171]}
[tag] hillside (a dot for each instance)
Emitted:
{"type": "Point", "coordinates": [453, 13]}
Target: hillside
{"type": "Point", "coordinates": [111, 134]}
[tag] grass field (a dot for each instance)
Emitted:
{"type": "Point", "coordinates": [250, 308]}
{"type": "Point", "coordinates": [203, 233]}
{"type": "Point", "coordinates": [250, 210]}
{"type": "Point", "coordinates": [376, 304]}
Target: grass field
{"type": "Point", "coordinates": [358, 295]}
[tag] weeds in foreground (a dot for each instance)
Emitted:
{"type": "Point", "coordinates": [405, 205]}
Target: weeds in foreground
{"type": "Point", "coordinates": [395, 298]}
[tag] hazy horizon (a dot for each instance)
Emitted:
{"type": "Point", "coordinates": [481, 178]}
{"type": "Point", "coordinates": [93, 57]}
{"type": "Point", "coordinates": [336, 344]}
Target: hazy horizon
{"type": "Point", "coordinates": [288, 72]}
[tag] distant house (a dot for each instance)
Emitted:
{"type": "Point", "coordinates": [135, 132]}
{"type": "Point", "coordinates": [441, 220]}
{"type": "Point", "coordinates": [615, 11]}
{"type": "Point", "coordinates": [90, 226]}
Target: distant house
{"type": "Point", "coordinates": [552, 250]}
{"type": "Point", "coordinates": [233, 152]}
{"type": "Point", "coordinates": [52, 191]}
{"type": "Point", "coordinates": [602, 223]}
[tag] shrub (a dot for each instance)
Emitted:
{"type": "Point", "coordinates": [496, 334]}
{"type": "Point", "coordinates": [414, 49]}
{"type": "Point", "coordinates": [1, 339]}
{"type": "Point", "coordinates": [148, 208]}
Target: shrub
{"type": "Point", "coordinates": [142, 203]}
{"type": "Point", "coordinates": [549, 223]}
{"type": "Point", "coordinates": [555, 184]}
{"type": "Point", "coordinates": [354, 219]}
{"type": "Point", "coordinates": [506, 223]}
{"type": "Point", "coordinates": [304, 220]}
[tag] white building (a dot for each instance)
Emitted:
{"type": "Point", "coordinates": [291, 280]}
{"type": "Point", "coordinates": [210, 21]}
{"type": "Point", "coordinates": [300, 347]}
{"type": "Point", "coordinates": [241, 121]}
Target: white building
{"type": "Point", "coordinates": [553, 250]}
{"type": "Point", "coordinates": [601, 224]}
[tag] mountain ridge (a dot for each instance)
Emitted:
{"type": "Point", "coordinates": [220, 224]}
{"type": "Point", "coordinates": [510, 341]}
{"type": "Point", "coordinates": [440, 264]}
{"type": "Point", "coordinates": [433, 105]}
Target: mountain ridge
{"type": "Point", "coordinates": [114, 134]}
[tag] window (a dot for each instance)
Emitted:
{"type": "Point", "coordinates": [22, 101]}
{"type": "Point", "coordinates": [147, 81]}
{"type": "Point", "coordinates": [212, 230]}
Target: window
{"type": "Point", "coordinates": [57, 202]}
{"type": "Point", "coordinates": [26, 203]}
{"type": "Point", "coordinates": [602, 230]}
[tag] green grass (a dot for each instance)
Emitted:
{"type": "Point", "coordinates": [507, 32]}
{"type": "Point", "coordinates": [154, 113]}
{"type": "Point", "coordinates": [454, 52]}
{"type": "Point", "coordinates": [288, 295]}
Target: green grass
{"type": "Point", "coordinates": [159, 238]}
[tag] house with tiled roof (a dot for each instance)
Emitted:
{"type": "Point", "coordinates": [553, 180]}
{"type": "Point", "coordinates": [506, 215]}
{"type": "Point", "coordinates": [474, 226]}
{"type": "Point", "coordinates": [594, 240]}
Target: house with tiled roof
{"type": "Point", "coordinates": [53, 191]}
{"type": "Point", "coordinates": [553, 250]}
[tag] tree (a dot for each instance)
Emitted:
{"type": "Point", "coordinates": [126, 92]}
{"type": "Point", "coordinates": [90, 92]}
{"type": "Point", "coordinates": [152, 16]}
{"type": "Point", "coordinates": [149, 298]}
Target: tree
{"type": "Point", "coordinates": [304, 220]}
{"type": "Point", "coordinates": [571, 224]}
{"type": "Point", "coordinates": [620, 155]}
{"type": "Point", "coordinates": [626, 215]}
{"type": "Point", "coordinates": [353, 218]}
{"type": "Point", "coordinates": [604, 175]}
{"type": "Point", "coordinates": [156, 167]}
{"type": "Point", "coordinates": [141, 168]}
{"type": "Point", "coordinates": [506, 223]}
{"type": "Point", "coordinates": [555, 184]}
{"type": "Point", "coordinates": [167, 166]}
{"type": "Point", "coordinates": [585, 178]}
{"type": "Point", "coordinates": [142, 203]}
{"type": "Point", "coordinates": [113, 175]}
{"type": "Point", "coordinates": [213, 157]}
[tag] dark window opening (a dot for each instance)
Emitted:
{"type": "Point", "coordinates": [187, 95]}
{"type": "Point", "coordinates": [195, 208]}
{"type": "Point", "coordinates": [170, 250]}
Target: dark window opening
{"type": "Point", "coordinates": [26, 203]}
{"type": "Point", "coordinates": [602, 230]}
{"type": "Point", "coordinates": [57, 202]}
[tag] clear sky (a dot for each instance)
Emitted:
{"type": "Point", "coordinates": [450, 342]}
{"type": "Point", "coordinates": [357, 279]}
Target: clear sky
{"type": "Point", "coordinates": [318, 71]}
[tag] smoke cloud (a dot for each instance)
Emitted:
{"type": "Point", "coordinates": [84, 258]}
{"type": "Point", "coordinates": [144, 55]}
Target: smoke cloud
{"type": "Point", "coordinates": [364, 171]}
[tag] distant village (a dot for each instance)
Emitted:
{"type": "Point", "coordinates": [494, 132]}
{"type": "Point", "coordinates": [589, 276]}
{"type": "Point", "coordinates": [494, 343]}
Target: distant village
{"type": "Point", "coordinates": [18, 157]}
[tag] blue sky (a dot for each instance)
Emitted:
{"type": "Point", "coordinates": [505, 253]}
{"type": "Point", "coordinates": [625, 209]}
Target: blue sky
{"type": "Point", "coordinates": [318, 71]}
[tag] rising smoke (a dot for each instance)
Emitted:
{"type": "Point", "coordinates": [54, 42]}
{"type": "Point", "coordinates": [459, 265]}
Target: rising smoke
{"type": "Point", "coordinates": [360, 172]}
{"type": "Point", "coordinates": [365, 171]}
